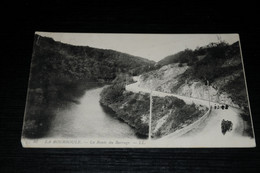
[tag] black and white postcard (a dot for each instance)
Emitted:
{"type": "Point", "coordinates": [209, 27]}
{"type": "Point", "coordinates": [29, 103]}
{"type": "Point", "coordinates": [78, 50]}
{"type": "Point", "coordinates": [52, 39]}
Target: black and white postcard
{"type": "Point", "coordinates": [137, 91]}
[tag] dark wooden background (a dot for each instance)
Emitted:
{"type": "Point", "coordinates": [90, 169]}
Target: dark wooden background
{"type": "Point", "coordinates": [20, 20]}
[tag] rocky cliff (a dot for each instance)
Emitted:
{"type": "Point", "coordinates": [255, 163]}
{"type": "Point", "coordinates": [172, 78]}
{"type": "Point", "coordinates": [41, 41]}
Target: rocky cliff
{"type": "Point", "coordinates": [225, 76]}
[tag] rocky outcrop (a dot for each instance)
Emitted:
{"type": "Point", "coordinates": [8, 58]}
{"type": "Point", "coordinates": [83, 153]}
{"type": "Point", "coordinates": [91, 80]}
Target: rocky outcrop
{"type": "Point", "coordinates": [167, 79]}
{"type": "Point", "coordinates": [202, 91]}
{"type": "Point", "coordinates": [154, 79]}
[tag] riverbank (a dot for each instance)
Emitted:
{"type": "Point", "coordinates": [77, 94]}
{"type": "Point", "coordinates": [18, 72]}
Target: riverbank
{"type": "Point", "coordinates": [115, 98]}
{"type": "Point", "coordinates": [43, 103]}
{"type": "Point", "coordinates": [89, 119]}
{"type": "Point", "coordinates": [112, 113]}
{"type": "Point", "coordinates": [169, 113]}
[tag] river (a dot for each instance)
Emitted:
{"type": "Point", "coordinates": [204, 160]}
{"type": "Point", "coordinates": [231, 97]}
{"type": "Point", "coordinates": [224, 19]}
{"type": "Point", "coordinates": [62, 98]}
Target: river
{"type": "Point", "coordinates": [89, 119]}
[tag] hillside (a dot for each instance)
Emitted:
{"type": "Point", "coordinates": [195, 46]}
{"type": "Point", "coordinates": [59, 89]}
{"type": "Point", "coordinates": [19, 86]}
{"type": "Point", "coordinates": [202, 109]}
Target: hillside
{"type": "Point", "coordinates": [169, 113]}
{"type": "Point", "coordinates": [82, 62]}
{"type": "Point", "coordinates": [186, 56]}
{"type": "Point", "coordinates": [219, 63]}
{"type": "Point", "coordinates": [186, 74]}
{"type": "Point", "coordinates": [60, 74]}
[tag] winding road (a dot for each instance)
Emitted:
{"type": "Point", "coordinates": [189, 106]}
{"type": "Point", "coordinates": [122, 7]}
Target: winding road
{"type": "Point", "coordinates": [208, 133]}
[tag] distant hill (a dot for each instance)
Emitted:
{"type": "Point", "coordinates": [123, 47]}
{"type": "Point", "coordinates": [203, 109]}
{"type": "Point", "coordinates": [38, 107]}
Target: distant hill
{"type": "Point", "coordinates": [219, 51]}
{"type": "Point", "coordinates": [56, 59]}
{"type": "Point", "coordinates": [180, 57]}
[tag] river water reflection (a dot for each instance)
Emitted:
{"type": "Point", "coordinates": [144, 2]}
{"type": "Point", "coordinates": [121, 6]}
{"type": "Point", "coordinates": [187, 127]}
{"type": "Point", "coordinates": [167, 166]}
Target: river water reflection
{"type": "Point", "coordinates": [89, 119]}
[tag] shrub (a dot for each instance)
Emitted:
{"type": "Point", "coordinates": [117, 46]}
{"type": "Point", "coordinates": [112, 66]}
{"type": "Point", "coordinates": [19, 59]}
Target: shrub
{"type": "Point", "coordinates": [226, 125]}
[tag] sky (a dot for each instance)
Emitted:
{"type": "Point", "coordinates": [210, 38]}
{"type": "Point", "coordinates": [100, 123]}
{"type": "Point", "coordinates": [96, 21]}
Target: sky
{"type": "Point", "coordinates": [151, 46]}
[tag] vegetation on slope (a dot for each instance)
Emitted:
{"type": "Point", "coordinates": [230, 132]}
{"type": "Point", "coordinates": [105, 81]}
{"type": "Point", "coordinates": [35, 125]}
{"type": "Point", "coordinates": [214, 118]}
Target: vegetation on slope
{"type": "Point", "coordinates": [207, 63]}
{"type": "Point", "coordinates": [218, 63]}
{"type": "Point", "coordinates": [211, 67]}
{"type": "Point", "coordinates": [133, 108]}
{"type": "Point", "coordinates": [186, 56]}
{"type": "Point", "coordinates": [60, 73]}
{"type": "Point", "coordinates": [176, 114]}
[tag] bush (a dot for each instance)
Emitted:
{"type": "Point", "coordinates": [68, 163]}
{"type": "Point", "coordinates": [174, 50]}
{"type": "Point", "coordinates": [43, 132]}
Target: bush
{"type": "Point", "coordinates": [112, 94]}
{"type": "Point", "coordinates": [226, 126]}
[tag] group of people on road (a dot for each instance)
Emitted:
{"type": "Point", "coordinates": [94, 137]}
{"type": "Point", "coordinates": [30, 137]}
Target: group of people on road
{"type": "Point", "coordinates": [221, 107]}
